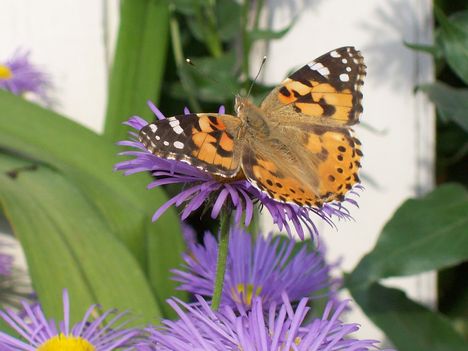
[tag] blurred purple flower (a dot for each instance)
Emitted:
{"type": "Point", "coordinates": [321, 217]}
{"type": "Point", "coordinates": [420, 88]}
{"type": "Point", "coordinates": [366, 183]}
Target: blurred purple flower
{"type": "Point", "coordinates": [18, 75]}
{"type": "Point", "coordinates": [277, 328]}
{"type": "Point", "coordinates": [38, 333]}
{"type": "Point", "coordinates": [264, 267]}
{"type": "Point", "coordinates": [202, 188]}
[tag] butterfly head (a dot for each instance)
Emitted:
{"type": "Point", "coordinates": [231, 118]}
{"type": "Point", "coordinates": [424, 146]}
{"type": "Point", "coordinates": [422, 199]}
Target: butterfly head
{"type": "Point", "coordinates": [251, 116]}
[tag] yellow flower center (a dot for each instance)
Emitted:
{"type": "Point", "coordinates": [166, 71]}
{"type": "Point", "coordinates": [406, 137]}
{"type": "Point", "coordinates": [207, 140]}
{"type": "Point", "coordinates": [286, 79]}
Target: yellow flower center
{"type": "Point", "coordinates": [247, 293]}
{"type": "Point", "coordinates": [5, 72]}
{"type": "Point", "coordinates": [66, 343]}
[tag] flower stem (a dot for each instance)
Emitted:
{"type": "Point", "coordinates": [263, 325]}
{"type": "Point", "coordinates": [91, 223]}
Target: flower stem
{"type": "Point", "coordinates": [223, 247]}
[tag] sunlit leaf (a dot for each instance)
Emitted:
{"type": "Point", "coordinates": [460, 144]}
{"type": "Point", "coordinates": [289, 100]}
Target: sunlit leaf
{"type": "Point", "coordinates": [452, 103]}
{"type": "Point", "coordinates": [139, 62]}
{"type": "Point", "coordinates": [424, 234]}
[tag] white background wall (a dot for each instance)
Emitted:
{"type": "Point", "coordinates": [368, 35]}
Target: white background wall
{"type": "Point", "coordinates": [73, 41]}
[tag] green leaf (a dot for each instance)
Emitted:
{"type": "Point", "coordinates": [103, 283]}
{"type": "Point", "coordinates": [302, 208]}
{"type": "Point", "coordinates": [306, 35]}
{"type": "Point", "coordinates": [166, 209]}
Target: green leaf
{"type": "Point", "coordinates": [139, 62]}
{"type": "Point", "coordinates": [188, 7]}
{"type": "Point", "coordinates": [87, 159]}
{"type": "Point", "coordinates": [410, 326]}
{"type": "Point", "coordinates": [68, 245]}
{"type": "Point", "coordinates": [267, 34]}
{"type": "Point", "coordinates": [423, 234]}
{"type": "Point", "coordinates": [451, 103]}
{"type": "Point", "coordinates": [214, 78]}
{"type": "Point", "coordinates": [429, 49]}
{"type": "Point", "coordinates": [228, 14]}
{"type": "Point", "coordinates": [454, 39]}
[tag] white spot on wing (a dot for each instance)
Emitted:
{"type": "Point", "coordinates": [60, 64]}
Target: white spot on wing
{"type": "Point", "coordinates": [317, 66]}
{"type": "Point", "coordinates": [178, 129]}
{"type": "Point", "coordinates": [158, 137]}
{"type": "Point", "coordinates": [153, 128]}
{"type": "Point", "coordinates": [344, 60]}
{"type": "Point", "coordinates": [348, 69]}
{"type": "Point", "coordinates": [166, 143]}
{"type": "Point", "coordinates": [178, 145]}
{"type": "Point", "coordinates": [344, 77]}
{"type": "Point", "coordinates": [335, 54]}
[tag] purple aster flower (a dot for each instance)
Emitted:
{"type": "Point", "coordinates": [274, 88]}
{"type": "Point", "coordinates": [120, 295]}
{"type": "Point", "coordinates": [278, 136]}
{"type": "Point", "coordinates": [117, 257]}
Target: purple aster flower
{"type": "Point", "coordinates": [104, 333]}
{"type": "Point", "coordinates": [201, 187]}
{"type": "Point", "coordinates": [265, 267]}
{"type": "Point", "coordinates": [19, 76]}
{"type": "Point", "coordinates": [269, 329]}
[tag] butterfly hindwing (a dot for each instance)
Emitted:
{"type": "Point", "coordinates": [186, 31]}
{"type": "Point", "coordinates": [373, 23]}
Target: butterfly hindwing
{"type": "Point", "coordinates": [308, 166]}
{"type": "Point", "coordinates": [206, 141]}
{"type": "Point", "coordinates": [327, 89]}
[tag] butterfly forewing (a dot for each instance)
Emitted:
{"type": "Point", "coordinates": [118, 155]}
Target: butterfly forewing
{"type": "Point", "coordinates": [327, 89]}
{"type": "Point", "coordinates": [205, 141]}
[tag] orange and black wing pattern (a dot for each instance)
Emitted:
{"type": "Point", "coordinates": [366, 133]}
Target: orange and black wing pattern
{"type": "Point", "coordinates": [309, 166]}
{"type": "Point", "coordinates": [328, 89]}
{"type": "Point", "coordinates": [206, 141]}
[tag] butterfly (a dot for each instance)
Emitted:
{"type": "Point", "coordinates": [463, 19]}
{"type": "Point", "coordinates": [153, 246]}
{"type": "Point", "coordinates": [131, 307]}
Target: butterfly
{"type": "Point", "coordinates": [297, 147]}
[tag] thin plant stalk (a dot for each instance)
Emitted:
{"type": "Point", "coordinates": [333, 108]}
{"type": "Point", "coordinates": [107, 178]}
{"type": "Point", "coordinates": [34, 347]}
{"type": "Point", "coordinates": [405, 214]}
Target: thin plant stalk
{"type": "Point", "coordinates": [223, 248]}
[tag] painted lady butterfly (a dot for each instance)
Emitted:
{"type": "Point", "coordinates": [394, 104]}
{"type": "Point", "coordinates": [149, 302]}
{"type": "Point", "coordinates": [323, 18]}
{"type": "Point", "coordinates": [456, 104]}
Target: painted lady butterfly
{"type": "Point", "coordinates": [298, 147]}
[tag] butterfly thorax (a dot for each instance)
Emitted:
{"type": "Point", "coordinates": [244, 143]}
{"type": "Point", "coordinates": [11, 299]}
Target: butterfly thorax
{"type": "Point", "coordinates": [252, 117]}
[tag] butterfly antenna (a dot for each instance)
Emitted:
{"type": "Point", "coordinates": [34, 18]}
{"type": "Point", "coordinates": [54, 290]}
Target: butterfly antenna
{"type": "Point", "coordinates": [256, 77]}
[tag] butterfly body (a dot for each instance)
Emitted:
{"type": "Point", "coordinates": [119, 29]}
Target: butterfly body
{"type": "Point", "coordinates": [297, 147]}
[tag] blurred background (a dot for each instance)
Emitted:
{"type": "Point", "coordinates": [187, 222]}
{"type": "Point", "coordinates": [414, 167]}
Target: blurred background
{"type": "Point", "coordinates": [407, 150]}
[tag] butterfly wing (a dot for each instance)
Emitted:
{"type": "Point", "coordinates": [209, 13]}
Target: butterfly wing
{"type": "Point", "coordinates": [307, 166]}
{"type": "Point", "coordinates": [327, 90]}
{"type": "Point", "coordinates": [205, 141]}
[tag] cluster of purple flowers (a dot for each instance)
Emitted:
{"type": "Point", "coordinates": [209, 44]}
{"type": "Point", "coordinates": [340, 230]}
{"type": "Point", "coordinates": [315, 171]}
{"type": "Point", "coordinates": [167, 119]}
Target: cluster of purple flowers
{"type": "Point", "coordinates": [265, 307]}
{"type": "Point", "coordinates": [271, 283]}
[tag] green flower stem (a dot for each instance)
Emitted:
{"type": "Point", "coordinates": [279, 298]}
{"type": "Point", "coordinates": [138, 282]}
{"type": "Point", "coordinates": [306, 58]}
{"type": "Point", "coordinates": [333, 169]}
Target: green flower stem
{"type": "Point", "coordinates": [258, 12]}
{"type": "Point", "coordinates": [245, 44]}
{"type": "Point", "coordinates": [180, 62]}
{"type": "Point", "coordinates": [223, 247]}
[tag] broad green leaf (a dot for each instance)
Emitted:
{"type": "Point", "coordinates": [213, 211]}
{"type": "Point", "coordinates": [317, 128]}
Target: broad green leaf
{"type": "Point", "coordinates": [87, 159]}
{"type": "Point", "coordinates": [410, 326]}
{"type": "Point", "coordinates": [454, 39]}
{"type": "Point", "coordinates": [138, 68]}
{"type": "Point", "coordinates": [423, 234]}
{"type": "Point", "coordinates": [68, 245]}
{"type": "Point", "coordinates": [452, 103]}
